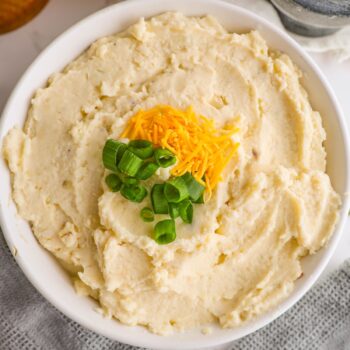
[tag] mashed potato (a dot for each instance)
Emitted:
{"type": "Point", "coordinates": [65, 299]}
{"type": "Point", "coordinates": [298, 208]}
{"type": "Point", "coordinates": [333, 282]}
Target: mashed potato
{"type": "Point", "coordinates": [275, 204]}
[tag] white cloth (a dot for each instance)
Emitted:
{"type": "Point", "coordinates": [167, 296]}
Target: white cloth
{"type": "Point", "coordinates": [337, 44]}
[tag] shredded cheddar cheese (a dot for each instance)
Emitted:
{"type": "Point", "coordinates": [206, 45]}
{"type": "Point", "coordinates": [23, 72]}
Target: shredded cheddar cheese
{"type": "Point", "coordinates": [200, 149]}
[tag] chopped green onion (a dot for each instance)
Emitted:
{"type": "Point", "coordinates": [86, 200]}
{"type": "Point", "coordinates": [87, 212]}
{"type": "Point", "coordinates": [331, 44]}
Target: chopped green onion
{"type": "Point", "coordinates": [147, 170]}
{"type": "Point", "coordinates": [110, 154]}
{"type": "Point", "coordinates": [174, 210]}
{"type": "Point", "coordinates": [164, 157]}
{"type": "Point", "coordinates": [121, 151]}
{"type": "Point", "coordinates": [131, 181]}
{"type": "Point", "coordinates": [200, 200]}
{"type": "Point", "coordinates": [147, 214]}
{"type": "Point", "coordinates": [134, 193]}
{"type": "Point", "coordinates": [186, 211]}
{"type": "Point", "coordinates": [164, 231]}
{"type": "Point", "coordinates": [175, 190]}
{"type": "Point", "coordinates": [113, 182]}
{"type": "Point", "coordinates": [195, 189]}
{"type": "Point", "coordinates": [159, 203]}
{"type": "Point", "coordinates": [141, 148]}
{"type": "Point", "coordinates": [130, 163]}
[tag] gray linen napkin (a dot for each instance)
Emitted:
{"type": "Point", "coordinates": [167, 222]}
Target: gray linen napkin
{"type": "Point", "coordinates": [321, 320]}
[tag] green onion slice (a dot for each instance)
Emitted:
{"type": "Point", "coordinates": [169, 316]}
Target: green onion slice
{"type": "Point", "coordinates": [130, 163]}
{"type": "Point", "coordinates": [200, 200]}
{"type": "Point", "coordinates": [147, 170]}
{"type": "Point", "coordinates": [174, 210]}
{"type": "Point", "coordinates": [159, 203]}
{"type": "Point", "coordinates": [141, 148]}
{"type": "Point", "coordinates": [113, 182]}
{"type": "Point", "coordinates": [147, 214]}
{"type": "Point", "coordinates": [164, 231]}
{"type": "Point", "coordinates": [110, 154]}
{"type": "Point", "coordinates": [186, 211]}
{"type": "Point", "coordinates": [164, 157]}
{"type": "Point", "coordinates": [134, 193]}
{"type": "Point", "coordinates": [121, 150]}
{"type": "Point", "coordinates": [130, 181]}
{"type": "Point", "coordinates": [195, 189]}
{"type": "Point", "coordinates": [175, 190]}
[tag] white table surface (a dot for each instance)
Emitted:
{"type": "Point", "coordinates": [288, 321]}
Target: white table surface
{"type": "Point", "coordinates": [19, 48]}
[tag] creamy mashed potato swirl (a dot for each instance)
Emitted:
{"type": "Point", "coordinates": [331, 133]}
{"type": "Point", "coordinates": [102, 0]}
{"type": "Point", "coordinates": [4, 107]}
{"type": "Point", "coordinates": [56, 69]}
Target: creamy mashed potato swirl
{"type": "Point", "coordinates": [274, 205]}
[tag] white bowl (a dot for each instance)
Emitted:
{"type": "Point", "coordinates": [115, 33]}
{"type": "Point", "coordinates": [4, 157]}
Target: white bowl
{"type": "Point", "coordinates": [43, 270]}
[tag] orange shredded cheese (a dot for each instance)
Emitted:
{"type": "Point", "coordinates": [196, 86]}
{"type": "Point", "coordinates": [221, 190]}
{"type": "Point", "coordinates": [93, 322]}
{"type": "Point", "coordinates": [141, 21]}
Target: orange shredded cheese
{"type": "Point", "coordinates": [200, 149]}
